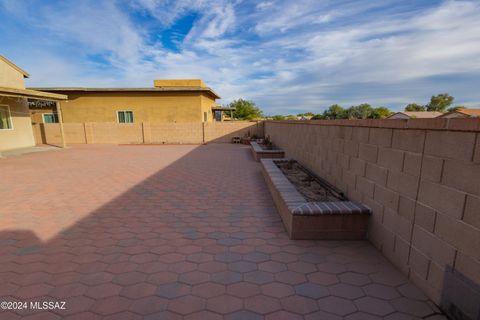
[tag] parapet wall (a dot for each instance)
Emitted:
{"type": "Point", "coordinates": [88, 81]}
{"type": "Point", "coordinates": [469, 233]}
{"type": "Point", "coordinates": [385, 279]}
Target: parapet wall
{"type": "Point", "coordinates": [421, 178]}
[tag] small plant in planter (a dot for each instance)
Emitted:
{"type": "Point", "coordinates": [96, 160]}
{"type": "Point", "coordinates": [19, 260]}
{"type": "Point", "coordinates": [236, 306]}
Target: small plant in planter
{"type": "Point", "coordinates": [268, 143]}
{"type": "Point", "coordinates": [290, 164]}
{"type": "Point", "coordinates": [257, 139]}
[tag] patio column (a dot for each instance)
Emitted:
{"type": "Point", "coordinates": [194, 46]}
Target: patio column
{"type": "Point", "coordinates": [60, 122]}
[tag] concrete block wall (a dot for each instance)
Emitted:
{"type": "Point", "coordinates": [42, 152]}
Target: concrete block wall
{"type": "Point", "coordinates": [224, 131]}
{"type": "Point", "coordinates": [421, 179]}
{"type": "Point", "coordinates": [148, 133]}
{"type": "Point", "coordinates": [50, 133]}
{"type": "Point", "coordinates": [172, 133]}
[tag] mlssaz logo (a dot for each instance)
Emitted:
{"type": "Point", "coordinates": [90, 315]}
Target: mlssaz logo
{"type": "Point", "coordinates": [47, 305]}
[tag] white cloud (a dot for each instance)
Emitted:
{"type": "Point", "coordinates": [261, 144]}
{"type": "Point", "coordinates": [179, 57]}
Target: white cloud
{"type": "Point", "coordinates": [288, 56]}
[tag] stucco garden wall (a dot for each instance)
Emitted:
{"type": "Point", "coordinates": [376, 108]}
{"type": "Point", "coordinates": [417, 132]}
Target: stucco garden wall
{"type": "Point", "coordinates": [421, 178]}
{"type": "Point", "coordinates": [138, 133]}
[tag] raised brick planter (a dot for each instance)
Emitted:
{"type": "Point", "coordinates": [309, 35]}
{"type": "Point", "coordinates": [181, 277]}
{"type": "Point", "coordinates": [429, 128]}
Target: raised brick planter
{"type": "Point", "coordinates": [335, 220]}
{"type": "Point", "coordinates": [259, 153]}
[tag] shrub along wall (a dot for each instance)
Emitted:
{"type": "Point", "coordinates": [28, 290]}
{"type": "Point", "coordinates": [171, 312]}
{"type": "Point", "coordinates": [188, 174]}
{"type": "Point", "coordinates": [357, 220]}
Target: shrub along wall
{"type": "Point", "coordinates": [420, 177]}
{"type": "Point", "coordinates": [148, 133]}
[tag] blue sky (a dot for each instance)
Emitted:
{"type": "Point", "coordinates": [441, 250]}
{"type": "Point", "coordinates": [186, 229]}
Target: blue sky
{"type": "Point", "coordinates": [287, 56]}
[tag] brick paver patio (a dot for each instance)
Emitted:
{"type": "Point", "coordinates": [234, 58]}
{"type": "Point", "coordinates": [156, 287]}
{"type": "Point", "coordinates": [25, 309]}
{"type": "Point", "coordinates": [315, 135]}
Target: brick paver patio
{"type": "Point", "coordinates": [176, 232]}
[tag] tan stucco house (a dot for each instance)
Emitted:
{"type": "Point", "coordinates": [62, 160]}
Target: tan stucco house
{"type": "Point", "coordinates": [166, 101]}
{"type": "Point", "coordinates": [15, 123]}
{"type": "Point", "coordinates": [415, 115]}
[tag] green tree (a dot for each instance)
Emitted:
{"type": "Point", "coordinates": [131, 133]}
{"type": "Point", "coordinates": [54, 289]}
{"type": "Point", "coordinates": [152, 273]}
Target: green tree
{"type": "Point", "coordinates": [381, 113]}
{"type": "Point", "coordinates": [245, 110]}
{"type": "Point", "coordinates": [306, 114]}
{"type": "Point", "coordinates": [415, 107]}
{"type": "Point", "coordinates": [278, 117]}
{"type": "Point", "coordinates": [440, 102]}
{"type": "Point", "coordinates": [318, 116]}
{"type": "Point", "coordinates": [335, 111]}
{"type": "Point", "coordinates": [362, 111]}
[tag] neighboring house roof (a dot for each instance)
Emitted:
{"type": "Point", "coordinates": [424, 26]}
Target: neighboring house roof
{"type": "Point", "coordinates": [33, 94]}
{"type": "Point", "coordinates": [419, 114]}
{"type": "Point", "coordinates": [157, 89]}
{"type": "Point", "coordinates": [468, 112]}
{"type": "Point", "coordinates": [14, 66]}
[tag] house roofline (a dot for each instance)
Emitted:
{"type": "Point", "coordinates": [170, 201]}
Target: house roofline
{"type": "Point", "coordinates": [14, 66]}
{"type": "Point", "coordinates": [157, 89]}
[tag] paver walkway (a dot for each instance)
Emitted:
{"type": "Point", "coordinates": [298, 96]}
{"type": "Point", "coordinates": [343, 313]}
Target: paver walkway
{"type": "Point", "coordinates": [176, 232]}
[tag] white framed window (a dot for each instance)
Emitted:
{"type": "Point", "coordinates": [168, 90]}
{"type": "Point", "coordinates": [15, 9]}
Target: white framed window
{"type": "Point", "coordinates": [125, 116]}
{"type": "Point", "coordinates": [50, 118]}
{"type": "Point", "coordinates": [5, 118]}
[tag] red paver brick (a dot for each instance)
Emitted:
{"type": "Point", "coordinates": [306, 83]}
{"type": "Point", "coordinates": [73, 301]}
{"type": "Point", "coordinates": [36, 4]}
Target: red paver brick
{"type": "Point", "coordinates": [262, 304]}
{"type": "Point", "coordinates": [31, 278]}
{"type": "Point", "coordinates": [68, 290]}
{"type": "Point", "coordinates": [42, 316]}
{"type": "Point", "coordinates": [322, 278]}
{"type": "Point", "coordinates": [111, 305]}
{"type": "Point", "coordinates": [362, 316]}
{"type": "Point", "coordinates": [127, 225]}
{"type": "Point", "coordinates": [164, 315]}
{"type": "Point", "coordinates": [299, 304]}
{"type": "Point", "coordinates": [173, 290]}
{"type": "Point", "coordinates": [338, 306]}
{"type": "Point", "coordinates": [312, 290]}
{"type": "Point", "coordinates": [322, 315]}
{"type": "Point", "coordinates": [103, 291]}
{"type": "Point", "coordinates": [186, 304]}
{"type": "Point", "coordinates": [374, 306]}
{"type": "Point", "coordinates": [302, 267]}
{"type": "Point", "coordinates": [194, 277]}
{"type": "Point", "coordinates": [412, 307]}
{"type": "Point", "coordinates": [290, 277]}
{"type": "Point", "coordinates": [355, 279]}
{"type": "Point", "coordinates": [381, 291]}
{"type": "Point", "coordinates": [277, 290]}
{"type": "Point", "coordinates": [212, 267]}
{"type": "Point", "coordinates": [283, 315]}
{"type": "Point", "coordinates": [201, 315]}
{"type": "Point", "coordinates": [32, 291]}
{"type": "Point", "coordinates": [83, 316]}
{"type": "Point", "coordinates": [243, 289]}
{"type": "Point", "coordinates": [125, 315]}
{"type": "Point", "coordinates": [272, 266]}
{"type": "Point", "coordinates": [208, 290]}
{"type": "Point", "coordinates": [224, 304]}
{"type": "Point", "coordinates": [144, 258]}
{"type": "Point", "coordinates": [139, 290]}
{"type": "Point", "coordinates": [162, 278]}
{"type": "Point", "coordinates": [149, 305]}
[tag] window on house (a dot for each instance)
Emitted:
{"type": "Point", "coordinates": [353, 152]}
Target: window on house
{"type": "Point", "coordinates": [50, 118]}
{"type": "Point", "coordinates": [205, 115]}
{"type": "Point", "coordinates": [5, 118]}
{"type": "Point", "coordinates": [125, 116]}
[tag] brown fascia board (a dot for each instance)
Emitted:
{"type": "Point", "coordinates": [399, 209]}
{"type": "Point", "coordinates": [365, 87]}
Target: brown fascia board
{"type": "Point", "coordinates": [33, 94]}
{"type": "Point", "coordinates": [158, 89]}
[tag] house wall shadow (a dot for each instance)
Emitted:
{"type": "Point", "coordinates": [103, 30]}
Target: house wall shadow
{"type": "Point", "coordinates": [181, 210]}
